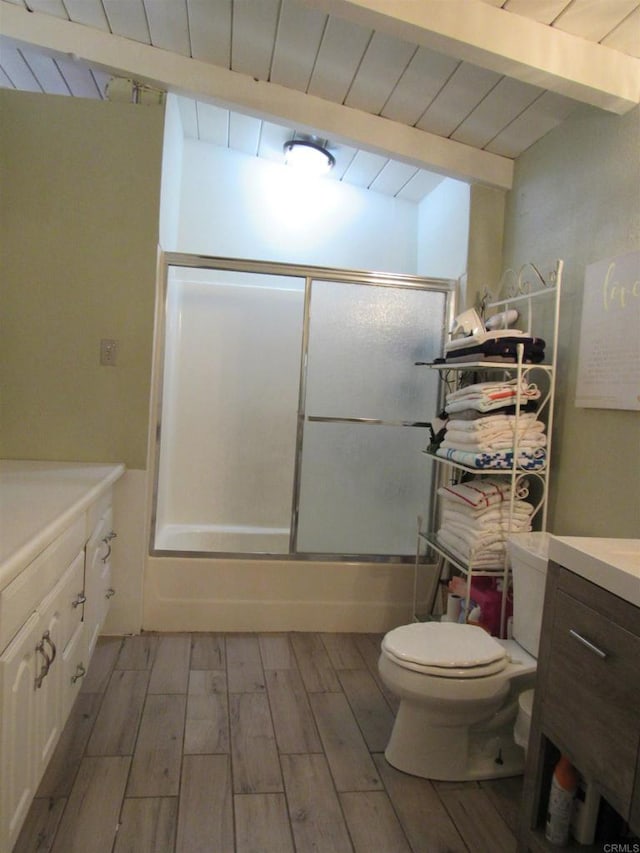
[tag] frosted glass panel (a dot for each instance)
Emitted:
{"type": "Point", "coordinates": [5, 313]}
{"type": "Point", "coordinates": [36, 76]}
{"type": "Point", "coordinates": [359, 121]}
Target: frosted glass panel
{"type": "Point", "coordinates": [363, 344]}
{"type": "Point", "coordinates": [229, 413]}
{"type": "Point", "coordinates": [229, 421]}
{"type": "Point", "coordinates": [362, 488]}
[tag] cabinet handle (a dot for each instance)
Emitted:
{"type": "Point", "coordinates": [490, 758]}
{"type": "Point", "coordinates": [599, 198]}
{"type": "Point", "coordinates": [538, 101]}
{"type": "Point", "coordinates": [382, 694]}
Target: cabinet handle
{"type": "Point", "coordinates": [79, 599]}
{"type": "Point", "coordinates": [110, 593]}
{"type": "Point", "coordinates": [588, 644]}
{"type": "Point", "coordinates": [80, 673]}
{"type": "Point", "coordinates": [107, 541]}
{"type": "Point", "coordinates": [47, 639]}
{"type": "Point", "coordinates": [45, 666]}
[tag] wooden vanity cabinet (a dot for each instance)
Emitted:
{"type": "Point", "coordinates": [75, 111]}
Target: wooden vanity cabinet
{"type": "Point", "coordinates": [587, 700]}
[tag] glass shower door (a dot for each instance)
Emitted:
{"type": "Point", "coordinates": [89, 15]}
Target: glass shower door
{"type": "Point", "coordinates": [229, 411]}
{"type": "Point", "coordinates": [362, 478]}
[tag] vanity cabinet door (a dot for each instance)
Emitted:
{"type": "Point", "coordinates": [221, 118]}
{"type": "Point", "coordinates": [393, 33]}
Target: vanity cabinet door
{"type": "Point", "coordinates": [61, 614]}
{"type": "Point", "coordinates": [98, 578]}
{"type": "Point", "coordinates": [49, 688]}
{"type": "Point", "coordinates": [20, 664]}
{"type": "Point", "coordinates": [592, 696]}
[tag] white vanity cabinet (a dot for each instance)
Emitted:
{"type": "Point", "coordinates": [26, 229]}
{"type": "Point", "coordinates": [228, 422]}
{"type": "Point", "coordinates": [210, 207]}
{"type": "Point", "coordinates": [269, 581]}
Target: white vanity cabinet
{"type": "Point", "coordinates": [19, 667]}
{"type": "Point", "coordinates": [51, 609]}
{"type": "Point", "coordinates": [98, 589]}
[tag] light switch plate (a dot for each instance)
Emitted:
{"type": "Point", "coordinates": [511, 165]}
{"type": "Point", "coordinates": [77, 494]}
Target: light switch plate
{"type": "Point", "coordinates": [108, 352]}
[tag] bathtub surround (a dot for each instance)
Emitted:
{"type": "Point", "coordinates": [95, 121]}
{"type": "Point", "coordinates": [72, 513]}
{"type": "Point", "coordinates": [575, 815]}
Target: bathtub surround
{"type": "Point", "coordinates": [192, 594]}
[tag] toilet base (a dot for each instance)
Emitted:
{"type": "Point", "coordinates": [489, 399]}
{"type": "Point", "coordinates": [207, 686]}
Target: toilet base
{"type": "Point", "coordinates": [452, 753]}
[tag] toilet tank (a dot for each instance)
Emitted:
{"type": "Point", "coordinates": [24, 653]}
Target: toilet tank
{"type": "Point", "coordinates": [528, 553]}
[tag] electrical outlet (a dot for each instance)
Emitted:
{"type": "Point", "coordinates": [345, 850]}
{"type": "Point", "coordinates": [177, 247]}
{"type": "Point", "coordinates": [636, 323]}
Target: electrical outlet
{"type": "Point", "coordinates": [108, 352]}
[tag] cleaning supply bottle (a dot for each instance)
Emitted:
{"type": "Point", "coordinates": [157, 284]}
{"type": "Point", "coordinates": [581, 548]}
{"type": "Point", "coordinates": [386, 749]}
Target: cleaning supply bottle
{"type": "Point", "coordinates": [563, 788]}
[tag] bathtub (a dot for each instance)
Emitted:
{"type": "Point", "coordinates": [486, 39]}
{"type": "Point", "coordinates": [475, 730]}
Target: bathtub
{"type": "Point", "coordinates": [215, 538]}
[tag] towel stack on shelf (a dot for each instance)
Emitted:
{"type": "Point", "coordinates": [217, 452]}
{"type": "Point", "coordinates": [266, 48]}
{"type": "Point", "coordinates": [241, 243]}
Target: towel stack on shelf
{"type": "Point", "coordinates": [480, 435]}
{"type": "Point", "coordinates": [478, 516]}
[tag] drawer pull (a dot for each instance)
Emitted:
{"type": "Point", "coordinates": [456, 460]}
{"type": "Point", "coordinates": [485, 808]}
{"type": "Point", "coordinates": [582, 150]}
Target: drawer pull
{"type": "Point", "coordinates": [44, 670]}
{"type": "Point", "coordinates": [588, 644]}
{"type": "Point", "coordinates": [79, 599]}
{"type": "Point", "coordinates": [111, 535]}
{"type": "Point", "coordinates": [110, 593]}
{"type": "Point", "coordinates": [80, 673]}
{"type": "Point", "coordinates": [108, 554]}
{"type": "Point", "coordinates": [47, 639]}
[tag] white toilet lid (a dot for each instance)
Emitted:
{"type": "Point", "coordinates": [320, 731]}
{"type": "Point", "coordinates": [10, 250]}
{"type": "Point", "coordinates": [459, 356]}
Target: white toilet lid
{"type": "Point", "coordinates": [445, 648]}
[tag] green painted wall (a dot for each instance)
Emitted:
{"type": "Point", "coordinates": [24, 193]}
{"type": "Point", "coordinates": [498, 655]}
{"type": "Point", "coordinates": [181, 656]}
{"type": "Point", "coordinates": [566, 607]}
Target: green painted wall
{"type": "Point", "coordinates": [484, 255]}
{"type": "Point", "coordinates": [576, 196]}
{"type": "Point", "coordinates": [79, 208]}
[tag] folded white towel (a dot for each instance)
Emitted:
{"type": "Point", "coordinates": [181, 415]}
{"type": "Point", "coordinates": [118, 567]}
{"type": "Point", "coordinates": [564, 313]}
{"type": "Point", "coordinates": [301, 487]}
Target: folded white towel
{"type": "Point", "coordinates": [525, 442]}
{"type": "Point", "coordinates": [500, 512]}
{"type": "Point", "coordinates": [474, 558]}
{"type": "Point", "coordinates": [514, 524]}
{"type": "Point", "coordinates": [475, 539]}
{"type": "Point", "coordinates": [488, 389]}
{"type": "Point", "coordinates": [488, 396]}
{"type": "Point", "coordinates": [489, 422]}
{"type": "Point", "coordinates": [479, 493]}
{"type": "Point", "coordinates": [497, 441]}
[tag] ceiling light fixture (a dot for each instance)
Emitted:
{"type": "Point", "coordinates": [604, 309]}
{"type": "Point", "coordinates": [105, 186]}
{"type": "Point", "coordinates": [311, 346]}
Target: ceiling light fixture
{"type": "Point", "coordinates": [310, 155]}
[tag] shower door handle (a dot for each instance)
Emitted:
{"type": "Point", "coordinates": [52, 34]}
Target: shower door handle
{"type": "Point", "coordinates": [320, 419]}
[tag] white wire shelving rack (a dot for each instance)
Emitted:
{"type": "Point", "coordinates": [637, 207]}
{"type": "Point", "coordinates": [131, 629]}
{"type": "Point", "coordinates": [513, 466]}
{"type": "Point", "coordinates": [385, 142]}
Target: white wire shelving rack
{"type": "Point", "coordinates": [521, 290]}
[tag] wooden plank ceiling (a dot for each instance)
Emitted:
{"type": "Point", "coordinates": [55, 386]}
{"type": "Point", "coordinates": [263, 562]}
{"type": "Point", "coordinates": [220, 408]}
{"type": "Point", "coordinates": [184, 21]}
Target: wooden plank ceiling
{"type": "Point", "coordinates": [318, 48]}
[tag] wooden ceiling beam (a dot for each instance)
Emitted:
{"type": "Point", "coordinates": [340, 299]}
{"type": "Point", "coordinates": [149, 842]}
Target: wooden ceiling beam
{"type": "Point", "coordinates": [504, 42]}
{"type": "Point", "coordinates": [179, 74]}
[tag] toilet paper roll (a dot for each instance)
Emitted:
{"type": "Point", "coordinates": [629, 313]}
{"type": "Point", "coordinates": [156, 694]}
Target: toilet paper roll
{"type": "Point", "coordinates": [454, 603]}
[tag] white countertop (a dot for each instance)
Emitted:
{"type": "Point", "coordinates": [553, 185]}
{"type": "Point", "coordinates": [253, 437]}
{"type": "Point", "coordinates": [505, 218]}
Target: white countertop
{"type": "Point", "coordinates": [613, 564]}
{"type": "Point", "coordinates": [38, 500]}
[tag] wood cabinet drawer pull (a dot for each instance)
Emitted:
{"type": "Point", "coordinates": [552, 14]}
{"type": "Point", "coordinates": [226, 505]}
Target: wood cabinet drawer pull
{"type": "Point", "coordinates": [108, 554]}
{"type": "Point", "coordinates": [110, 593]}
{"type": "Point", "coordinates": [79, 599]}
{"type": "Point", "coordinates": [588, 644]}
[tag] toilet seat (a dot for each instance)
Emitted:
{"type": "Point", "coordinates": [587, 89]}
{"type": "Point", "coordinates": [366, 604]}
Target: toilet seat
{"type": "Point", "coordinates": [445, 649]}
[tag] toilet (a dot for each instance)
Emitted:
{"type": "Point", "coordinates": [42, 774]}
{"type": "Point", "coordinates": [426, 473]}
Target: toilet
{"type": "Point", "coordinates": [459, 687]}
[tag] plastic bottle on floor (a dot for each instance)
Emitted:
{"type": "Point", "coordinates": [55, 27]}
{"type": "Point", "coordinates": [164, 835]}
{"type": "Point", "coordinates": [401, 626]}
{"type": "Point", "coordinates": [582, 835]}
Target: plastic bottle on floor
{"type": "Point", "coordinates": [563, 788]}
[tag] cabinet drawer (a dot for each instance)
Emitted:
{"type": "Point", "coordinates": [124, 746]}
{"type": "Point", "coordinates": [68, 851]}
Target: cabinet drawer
{"type": "Point", "coordinates": [592, 697]}
{"type": "Point", "coordinates": [70, 591]}
{"type": "Point", "coordinates": [23, 595]}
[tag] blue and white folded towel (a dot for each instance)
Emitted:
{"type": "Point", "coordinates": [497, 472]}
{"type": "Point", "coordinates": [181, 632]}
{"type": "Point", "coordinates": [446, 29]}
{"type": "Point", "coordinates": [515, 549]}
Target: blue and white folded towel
{"type": "Point", "coordinates": [528, 460]}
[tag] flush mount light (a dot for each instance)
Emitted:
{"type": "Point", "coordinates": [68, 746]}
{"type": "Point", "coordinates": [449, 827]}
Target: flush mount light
{"type": "Point", "coordinates": [309, 155]}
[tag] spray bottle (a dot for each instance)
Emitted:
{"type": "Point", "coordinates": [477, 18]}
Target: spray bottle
{"type": "Point", "coordinates": [563, 788]}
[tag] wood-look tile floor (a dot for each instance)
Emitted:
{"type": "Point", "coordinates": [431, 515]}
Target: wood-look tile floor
{"type": "Point", "coordinates": [248, 742]}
